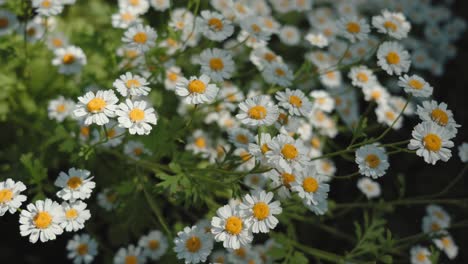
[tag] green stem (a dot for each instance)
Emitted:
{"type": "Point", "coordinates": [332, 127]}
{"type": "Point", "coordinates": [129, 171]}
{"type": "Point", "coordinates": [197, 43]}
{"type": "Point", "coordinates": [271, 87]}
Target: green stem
{"type": "Point", "coordinates": [157, 211]}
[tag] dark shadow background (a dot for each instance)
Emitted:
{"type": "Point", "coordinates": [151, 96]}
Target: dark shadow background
{"type": "Point", "coordinates": [421, 179]}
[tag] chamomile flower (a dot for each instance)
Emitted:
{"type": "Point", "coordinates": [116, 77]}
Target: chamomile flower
{"type": "Point", "coordinates": [320, 208]}
{"type": "Point", "coordinates": [392, 24]}
{"type": "Point", "coordinates": [318, 40]}
{"type": "Point", "coordinates": [131, 254]}
{"type": "Point", "coordinates": [34, 30]}
{"type": "Point", "coordinates": [215, 26]}
{"type": "Point", "coordinates": [447, 244]}
{"type": "Point", "coordinates": [439, 213]}
{"type": "Point", "coordinates": [135, 149]}
{"type": "Point", "coordinates": [260, 147]}
{"type": "Point", "coordinates": [278, 73]}
{"type": "Point", "coordinates": [372, 160]}
{"type": "Point", "coordinates": [353, 28]}
{"type": "Point", "coordinates": [199, 143]}
{"type": "Point", "coordinates": [197, 90]}
{"type": "Point", "coordinates": [193, 245]}
{"type": "Point", "coordinates": [240, 137]}
{"type": "Point", "coordinates": [258, 111]}
{"type": "Point", "coordinates": [113, 135]}
{"type": "Point", "coordinates": [48, 7]}
{"type": "Point", "coordinates": [415, 85]}
{"type": "Point", "coordinates": [431, 141]}
{"type": "Point", "coordinates": [326, 169]}
{"type": "Point", "coordinates": [309, 186]}
{"type": "Point", "coordinates": [287, 153]}
{"type": "Point", "coordinates": [10, 196]}
{"type": "Point", "coordinates": [376, 93]}
{"type": "Point", "coordinates": [140, 37]}
{"type": "Point", "coordinates": [173, 75]}
{"type": "Point", "coordinates": [160, 5]}
{"type": "Point", "coordinates": [217, 64]}
{"type": "Point", "coordinates": [295, 102]}
{"type": "Point", "coordinates": [259, 209]}
{"type": "Point", "coordinates": [439, 114]}
{"type": "Point", "coordinates": [331, 79]}
{"type": "Point", "coordinates": [322, 101]}
{"type": "Point", "coordinates": [76, 215]}
{"type": "Point", "coordinates": [434, 225]}
{"type": "Point", "coordinates": [8, 22]}
{"type": "Point", "coordinates": [96, 108]}
{"type": "Point", "coordinates": [255, 181]}
{"type": "Point", "coordinates": [362, 76]}
{"type": "Point", "coordinates": [290, 35]}
{"type": "Point", "coordinates": [282, 179]}
{"type": "Point", "coordinates": [420, 255]}
{"type": "Point", "coordinates": [262, 56]}
{"type": "Point", "coordinates": [107, 199]}
{"type": "Point", "coordinates": [125, 18]}
{"type": "Point", "coordinates": [56, 40]}
{"type": "Point", "coordinates": [41, 220]}
{"type": "Point", "coordinates": [388, 116]}
{"type": "Point", "coordinates": [140, 6]}
{"type": "Point", "coordinates": [370, 188]}
{"type": "Point", "coordinates": [60, 108]}
{"type": "Point", "coordinates": [218, 256]}
{"type": "Point", "coordinates": [154, 245]}
{"type": "Point", "coordinates": [253, 26]}
{"type": "Point", "coordinates": [137, 116]}
{"type": "Point", "coordinates": [69, 59]}
{"type": "Point", "coordinates": [77, 184]}
{"type": "Point", "coordinates": [82, 249]}
{"type": "Point", "coordinates": [131, 85]}
{"type": "Point", "coordinates": [231, 228]}
{"type": "Point", "coordinates": [393, 58]}
{"type": "Point", "coordinates": [463, 152]}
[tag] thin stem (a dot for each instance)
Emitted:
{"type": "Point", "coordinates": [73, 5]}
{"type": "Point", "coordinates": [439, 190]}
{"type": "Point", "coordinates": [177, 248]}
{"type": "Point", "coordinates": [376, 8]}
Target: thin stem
{"type": "Point", "coordinates": [157, 211]}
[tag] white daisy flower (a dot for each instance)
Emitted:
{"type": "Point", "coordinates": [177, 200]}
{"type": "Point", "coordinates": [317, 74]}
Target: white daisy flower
{"type": "Point", "coordinates": [289, 35]}
{"type": "Point", "coordinates": [140, 37]}
{"type": "Point", "coordinates": [420, 255]}
{"type": "Point", "coordinates": [8, 22]}
{"type": "Point", "coordinates": [214, 26]}
{"type": "Point", "coordinates": [199, 143]}
{"type": "Point", "coordinates": [392, 24]}
{"type": "Point", "coordinates": [131, 254]}
{"type": "Point", "coordinates": [193, 245]}
{"type": "Point", "coordinates": [320, 208]}
{"type": "Point", "coordinates": [75, 185]}
{"type": "Point", "coordinates": [217, 64]}
{"type": "Point", "coordinates": [230, 227]}
{"type": "Point", "coordinates": [69, 59]}
{"type": "Point", "coordinates": [447, 244]}
{"type": "Point", "coordinates": [60, 108]}
{"type": "Point", "coordinates": [140, 6]}
{"type": "Point", "coordinates": [131, 85]}
{"type": "Point", "coordinates": [295, 102]}
{"type": "Point", "coordinates": [76, 215]}
{"type": "Point", "coordinates": [326, 169]}
{"type": "Point", "coordinates": [137, 116]}
{"type": "Point", "coordinates": [258, 111]}
{"type": "Point", "coordinates": [393, 58]}
{"type": "Point", "coordinates": [262, 56]}
{"type": "Point", "coordinates": [82, 249]}
{"type": "Point", "coordinates": [309, 187]}
{"type": "Point", "coordinates": [353, 28]}
{"type": "Point", "coordinates": [160, 5]}
{"type": "Point", "coordinates": [387, 115]}
{"type": "Point", "coordinates": [41, 220]}
{"type": "Point", "coordinates": [34, 30]}
{"type": "Point", "coordinates": [376, 93]}
{"type": "Point", "coordinates": [362, 76]}
{"type": "Point", "coordinates": [255, 181]}
{"type": "Point", "coordinates": [125, 18]}
{"type": "Point", "coordinates": [331, 79]}
{"type": "Point", "coordinates": [287, 153]}
{"type": "Point", "coordinates": [154, 245]}
{"type": "Point", "coordinates": [107, 199]}
{"type": "Point", "coordinates": [370, 188]}
{"type": "Point", "coordinates": [10, 196]}
{"type": "Point", "coordinates": [439, 114]}
{"type": "Point", "coordinates": [197, 90]}
{"type": "Point", "coordinates": [56, 40]}
{"type": "Point", "coordinates": [439, 213]}
{"type": "Point", "coordinates": [96, 109]}
{"type": "Point", "coordinates": [240, 137]}
{"type": "Point", "coordinates": [173, 75]}
{"type": "Point", "coordinates": [322, 101]}
{"type": "Point", "coordinates": [259, 209]}
{"type": "Point", "coordinates": [415, 85]}
{"type": "Point", "coordinates": [278, 73]}
{"type": "Point", "coordinates": [253, 26]}
{"type": "Point", "coordinates": [48, 7]}
{"type": "Point", "coordinates": [463, 152]}
{"type": "Point", "coordinates": [218, 256]}
{"type": "Point", "coordinates": [112, 138]}
{"type": "Point", "coordinates": [372, 160]}
{"type": "Point", "coordinates": [135, 149]}
{"type": "Point", "coordinates": [318, 40]}
{"type": "Point", "coordinates": [260, 147]}
{"type": "Point", "coordinates": [431, 141]}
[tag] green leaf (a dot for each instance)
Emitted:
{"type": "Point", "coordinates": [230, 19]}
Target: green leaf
{"type": "Point", "coordinates": [298, 258]}
{"type": "Point", "coordinates": [34, 167]}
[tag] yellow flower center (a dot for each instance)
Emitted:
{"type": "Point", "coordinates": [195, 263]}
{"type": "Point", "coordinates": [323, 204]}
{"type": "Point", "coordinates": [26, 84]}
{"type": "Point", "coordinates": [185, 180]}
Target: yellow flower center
{"type": "Point", "coordinates": [4, 22]}
{"type": "Point", "coordinates": [215, 23]}
{"type": "Point", "coordinates": [432, 142]}
{"type": "Point", "coordinates": [111, 133]}
{"type": "Point", "coordinates": [71, 213]}
{"type": "Point", "coordinates": [242, 139]}
{"type": "Point", "coordinates": [233, 225]}
{"type": "Point", "coordinates": [353, 27]}
{"type": "Point", "coordinates": [46, 4]}
{"type": "Point", "coordinates": [255, 180]}
{"type": "Point", "coordinates": [132, 83]}
{"type": "Point", "coordinates": [421, 256]}
{"type": "Point", "coordinates": [140, 37]}
{"type": "Point", "coordinates": [390, 25]}
{"type": "Point", "coordinates": [295, 101]}
{"type": "Point", "coordinates": [56, 41]}
{"type": "Point", "coordinates": [245, 156]}
{"type": "Point", "coordinates": [172, 76]}
{"type": "Point", "coordinates": [200, 142]}
{"type": "Point", "coordinates": [131, 260]}
{"type": "Point", "coordinates": [42, 220]}
{"type": "Point", "coordinates": [310, 185]}
{"type": "Point", "coordinates": [193, 244]}
{"type": "Point", "coordinates": [127, 16]}
{"type": "Point", "coordinates": [257, 112]}
{"type": "Point", "coordinates": [446, 242]}
{"type": "Point", "coordinates": [255, 28]}
{"type": "Point", "coordinates": [289, 151]}
{"type": "Point", "coordinates": [287, 179]}
{"type": "Point", "coordinates": [390, 115]}
{"type": "Point", "coordinates": [60, 108]}
{"type": "Point", "coordinates": [261, 210]}
{"type": "Point", "coordinates": [131, 54]}
{"type": "Point", "coordinates": [96, 105]}
{"type": "Point", "coordinates": [82, 249]}
{"type": "Point", "coordinates": [439, 215]}
{"type": "Point", "coordinates": [74, 182]}
{"type": "Point", "coordinates": [216, 64]}
{"type": "Point", "coordinates": [136, 115]}
{"type": "Point", "coordinates": [68, 58]}
{"type": "Point", "coordinates": [315, 142]}
{"type": "Point", "coordinates": [280, 72]}
{"type": "Point", "coordinates": [264, 148]}
{"type": "Point", "coordinates": [137, 151]}
{"type": "Point", "coordinates": [220, 260]}
{"type": "Point", "coordinates": [196, 86]}
{"type": "Point", "coordinates": [416, 84]}
{"type": "Point", "coordinates": [440, 116]}
{"type": "Point", "coordinates": [283, 118]}
{"type": "Point", "coordinates": [393, 58]}
{"type": "Point", "coordinates": [134, 2]}
{"type": "Point", "coordinates": [435, 227]}
{"type": "Point", "coordinates": [153, 244]}
{"type": "Point", "coordinates": [362, 77]}
{"type": "Point", "coordinates": [372, 161]}
{"type": "Point", "coordinates": [269, 56]}
{"type": "Point", "coordinates": [84, 131]}
{"type": "Point", "coordinates": [5, 195]}
{"type": "Point", "coordinates": [241, 252]}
